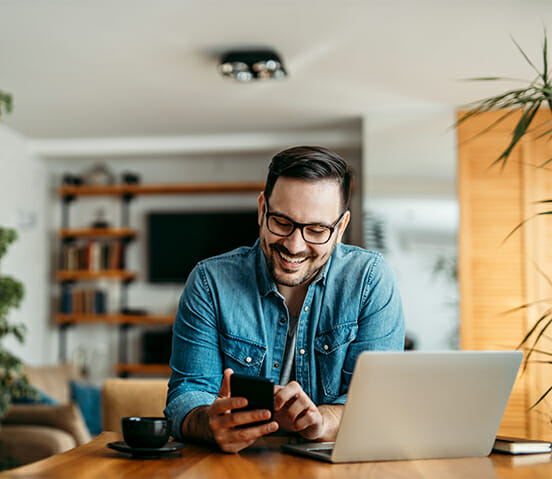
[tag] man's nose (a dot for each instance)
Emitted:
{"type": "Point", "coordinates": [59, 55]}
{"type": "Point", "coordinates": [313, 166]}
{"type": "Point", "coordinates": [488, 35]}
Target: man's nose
{"type": "Point", "coordinates": [295, 242]}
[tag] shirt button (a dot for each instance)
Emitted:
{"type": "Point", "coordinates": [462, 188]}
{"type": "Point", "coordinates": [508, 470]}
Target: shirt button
{"type": "Point", "coordinates": [248, 359]}
{"type": "Point", "coordinates": [276, 365]}
{"type": "Point", "coordinates": [306, 308]}
{"type": "Point", "coordinates": [326, 347]}
{"type": "Point", "coordinates": [282, 320]}
{"type": "Point", "coordinates": [302, 351]}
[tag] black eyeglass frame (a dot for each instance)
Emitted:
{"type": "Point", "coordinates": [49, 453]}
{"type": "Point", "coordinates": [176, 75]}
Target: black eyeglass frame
{"type": "Point", "coordinates": [301, 226]}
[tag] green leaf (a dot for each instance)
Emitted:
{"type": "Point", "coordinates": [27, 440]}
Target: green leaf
{"type": "Point", "coordinates": [508, 236]}
{"type": "Point", "coordinates": [545, 59]}
{"type": "Point", "coordinates": [542, 273]}
{"type": "Point", "coordinates": [540, 351]}
{"type": "Point", "coordinates": [539, 335]}
{"type": "Point", "coordinates": [484, 79]}
{"type": "Point", "coordinates": [519, 132]}
{"type": "Point", "coordinates": [524, 55]}
{"type": "Point", "coordinates": [542, 135]}
{"type": "Point", "coordinates": [527, 305]}
{"type": "Point", "coordinates": [542, 397]}
{"type": "Point", "coordinates": [534, 328]}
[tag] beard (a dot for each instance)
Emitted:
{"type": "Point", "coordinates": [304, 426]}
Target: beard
{"type": "Point", "coordinates": [311, 263]}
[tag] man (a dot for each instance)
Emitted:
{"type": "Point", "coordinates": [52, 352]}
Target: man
{"type": "Point", "coordinates": [297, 307]}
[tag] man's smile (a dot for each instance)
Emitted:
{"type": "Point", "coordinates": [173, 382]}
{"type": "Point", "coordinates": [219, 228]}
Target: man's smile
{"type": "Point", "coordinates": [288, 260]}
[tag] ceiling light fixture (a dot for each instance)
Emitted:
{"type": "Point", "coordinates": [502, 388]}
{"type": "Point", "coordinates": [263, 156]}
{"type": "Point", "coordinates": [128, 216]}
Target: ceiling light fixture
{"type": "Point", "coordinates": [247, 65]}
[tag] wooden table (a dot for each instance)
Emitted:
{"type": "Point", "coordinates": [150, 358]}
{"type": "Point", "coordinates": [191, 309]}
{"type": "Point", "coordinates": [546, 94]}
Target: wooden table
{"type": "Point", "coordinates": [95, 460]}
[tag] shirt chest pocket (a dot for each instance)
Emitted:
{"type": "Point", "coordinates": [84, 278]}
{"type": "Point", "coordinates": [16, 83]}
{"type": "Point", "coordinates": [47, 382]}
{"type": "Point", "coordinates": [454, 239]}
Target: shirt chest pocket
{"type": "Point", "coordinates": [331, 351]}
{"type": "Point", "coordinates": [242, 355]}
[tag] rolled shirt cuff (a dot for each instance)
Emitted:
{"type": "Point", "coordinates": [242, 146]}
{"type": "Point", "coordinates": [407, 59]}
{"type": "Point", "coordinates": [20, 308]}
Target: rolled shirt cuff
{"type": "Point", "coordinates": [340, 400]}
{"type": "Point", "coordinates": [181, 405]}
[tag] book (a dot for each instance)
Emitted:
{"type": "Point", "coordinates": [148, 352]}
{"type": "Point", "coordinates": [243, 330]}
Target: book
{"type": "Point", "coordinates": [513, 445]}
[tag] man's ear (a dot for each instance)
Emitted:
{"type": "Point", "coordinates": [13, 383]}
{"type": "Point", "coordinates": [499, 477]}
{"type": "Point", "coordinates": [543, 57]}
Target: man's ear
{"type": "Point", "coordinates": [343, 225]}
{"type": "Point", "coordinates": [260, 211]}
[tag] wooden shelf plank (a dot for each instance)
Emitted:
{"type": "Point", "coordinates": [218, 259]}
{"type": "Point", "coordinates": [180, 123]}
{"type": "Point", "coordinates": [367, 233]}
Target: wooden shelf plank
{"type": "Point", "coordinates": [194, 188]}
{"type": "Point", "coordinates": [97, 233]}
{"type": "Point", "coordinates": [134, 368]}
{"type": "Point", "coordinates": [162, 189]}
{"type": "Point", "coordinates": [115, 318]}
{"type": "Point", "coordinates": [85, 275]}
{"type": "Point", "coordinates": [90, 190]}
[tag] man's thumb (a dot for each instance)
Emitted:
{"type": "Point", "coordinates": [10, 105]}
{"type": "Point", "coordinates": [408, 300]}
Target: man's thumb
{"type": "Point", "coordinates": [224, 390]}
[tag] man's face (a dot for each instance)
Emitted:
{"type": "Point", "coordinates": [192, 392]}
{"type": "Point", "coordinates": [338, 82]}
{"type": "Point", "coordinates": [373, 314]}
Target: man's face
{"type": "Point", "coordinates": [291, 260]}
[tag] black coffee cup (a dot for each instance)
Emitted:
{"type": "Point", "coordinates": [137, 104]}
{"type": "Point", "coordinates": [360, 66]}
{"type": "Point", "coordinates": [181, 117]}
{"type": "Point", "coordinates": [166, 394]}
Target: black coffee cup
{"type": "Point", "coordinates": [146, 432]}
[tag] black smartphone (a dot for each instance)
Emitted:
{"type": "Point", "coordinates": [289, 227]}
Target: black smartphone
{"type": "Point", "coordinates": [258, 391]}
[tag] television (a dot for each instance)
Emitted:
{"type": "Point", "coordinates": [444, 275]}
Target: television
{"type": "Point", "coordinates": [178, 240]}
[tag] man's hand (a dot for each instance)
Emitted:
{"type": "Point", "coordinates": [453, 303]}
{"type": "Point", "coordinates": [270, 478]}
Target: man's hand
{"type": "Point", "coordinates": [295, 412]}
{"type": "Point", "coordinates": [222, 420]}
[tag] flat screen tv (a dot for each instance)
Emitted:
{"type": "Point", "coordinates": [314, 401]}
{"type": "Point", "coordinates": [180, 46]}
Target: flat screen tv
{"type": "Point", "coordinates": [178, 240]}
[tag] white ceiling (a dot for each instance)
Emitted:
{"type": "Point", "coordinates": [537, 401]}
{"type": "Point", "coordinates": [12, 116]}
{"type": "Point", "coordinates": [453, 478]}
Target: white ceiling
{"type": "Point", "coordinates": [127, 68]}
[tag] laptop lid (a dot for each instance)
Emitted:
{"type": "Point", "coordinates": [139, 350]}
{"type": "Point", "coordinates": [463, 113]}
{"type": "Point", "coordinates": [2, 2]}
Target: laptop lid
{"type": "Point", "coordinates": [423, 405]}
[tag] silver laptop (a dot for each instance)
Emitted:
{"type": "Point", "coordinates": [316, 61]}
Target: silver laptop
{"type": "Point", "coordinates": [421, 405]}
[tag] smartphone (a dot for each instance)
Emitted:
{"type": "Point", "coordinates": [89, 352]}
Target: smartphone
{"type": "Point", "coordinates": [258, 391]}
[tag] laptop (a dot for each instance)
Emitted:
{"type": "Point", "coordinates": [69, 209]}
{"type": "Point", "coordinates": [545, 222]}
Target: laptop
{"type": "Point", "coordinates": [420, 405]}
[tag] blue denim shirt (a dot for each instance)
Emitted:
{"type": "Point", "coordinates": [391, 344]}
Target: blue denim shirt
{"type": "Point", "coordinates": [231, 315]}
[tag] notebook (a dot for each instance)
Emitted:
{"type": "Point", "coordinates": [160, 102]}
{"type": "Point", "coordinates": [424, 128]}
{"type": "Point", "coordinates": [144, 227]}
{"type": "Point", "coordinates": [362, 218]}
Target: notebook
{"type": "Point", "coordinates": [421, 405]}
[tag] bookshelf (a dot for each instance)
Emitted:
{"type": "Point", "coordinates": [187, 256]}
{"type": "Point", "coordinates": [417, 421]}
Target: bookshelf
{"type": "Point", "coordinates": [89, 255]}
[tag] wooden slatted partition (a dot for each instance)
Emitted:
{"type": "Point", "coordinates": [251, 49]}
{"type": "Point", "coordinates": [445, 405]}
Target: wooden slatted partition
{"type": "Point", "coordinates": [496, 275]}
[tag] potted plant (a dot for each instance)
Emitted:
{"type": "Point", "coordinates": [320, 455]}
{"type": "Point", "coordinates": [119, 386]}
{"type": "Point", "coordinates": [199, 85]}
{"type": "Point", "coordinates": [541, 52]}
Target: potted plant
{"type": "Point", "coordinates": [12, 382]}
{"type": "Point", "coordinates": [525, 101]}
{"type": "Point", "coordinates": [529, 99]}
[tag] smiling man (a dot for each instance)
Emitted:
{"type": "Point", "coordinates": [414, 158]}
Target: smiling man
{"type": "Point", "coordinates": [297, 307]}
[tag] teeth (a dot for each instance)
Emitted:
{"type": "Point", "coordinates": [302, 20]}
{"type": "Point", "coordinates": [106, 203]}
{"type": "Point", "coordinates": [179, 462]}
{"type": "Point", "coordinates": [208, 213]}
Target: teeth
{"type": "Point", "coordinates": [291, 259]}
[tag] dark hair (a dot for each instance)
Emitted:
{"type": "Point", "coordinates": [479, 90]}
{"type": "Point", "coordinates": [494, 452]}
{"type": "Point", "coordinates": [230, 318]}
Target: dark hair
{"type": "Point", "coordinates": [310, 163]}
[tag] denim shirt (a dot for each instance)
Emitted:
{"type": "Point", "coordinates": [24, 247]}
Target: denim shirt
{"type": "Point", "coordinates": [231, 315]}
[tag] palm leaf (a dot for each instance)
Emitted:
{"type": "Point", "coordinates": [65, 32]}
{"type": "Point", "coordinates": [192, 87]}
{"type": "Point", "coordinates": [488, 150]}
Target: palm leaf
{"type": "Point", "coordinates": [545, 60]}
{"type": "Point", "coordinates": [534, 328]}
{"type": "Point", "coordinates": [536, 340]}
{"type": "Point", "coordinates": [542, 273]}
{"type": "Point", "coordinates": [542, 135]}
{"type": "Point", "coordinates": [540, 213]}
{"type": "Point", "coordinates": [527, 305]}
{"type": "Point", "coordinates": [542, 165]}
{"type": "Point", "coordinates": [517, 227]}
{"type": "Point", "coordinates": [542, 397]}
{"type": "Point", "coordinates": [491, 126]}
{"type": "Point", "coordinates": [519, 132]}
{"type": "Point", "coordinates": [540, 351]}
{"type": "Point", "coordinates": [525, 55]}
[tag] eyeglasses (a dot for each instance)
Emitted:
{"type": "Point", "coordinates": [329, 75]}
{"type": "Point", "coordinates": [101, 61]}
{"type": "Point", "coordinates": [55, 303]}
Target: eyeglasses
{"type": "Point", "coordinates": [313, 233]}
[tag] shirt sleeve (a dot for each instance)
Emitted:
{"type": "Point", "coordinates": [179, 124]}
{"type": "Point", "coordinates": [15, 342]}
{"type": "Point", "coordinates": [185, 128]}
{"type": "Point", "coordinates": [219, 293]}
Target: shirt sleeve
{"type": "Point", "coordinates": [196, 361]}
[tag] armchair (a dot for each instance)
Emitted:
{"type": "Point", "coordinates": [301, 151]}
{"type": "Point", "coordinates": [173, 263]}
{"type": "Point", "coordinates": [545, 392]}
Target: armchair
{"type": "Point", "coordinates": [131, 397]}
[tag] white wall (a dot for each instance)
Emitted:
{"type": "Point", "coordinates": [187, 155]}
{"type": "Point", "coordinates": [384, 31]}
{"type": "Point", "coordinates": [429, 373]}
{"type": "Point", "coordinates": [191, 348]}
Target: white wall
{"type": "Point", "coordinates": [23, 207]}
{"type": "Point", "coordinates": [409, 169]}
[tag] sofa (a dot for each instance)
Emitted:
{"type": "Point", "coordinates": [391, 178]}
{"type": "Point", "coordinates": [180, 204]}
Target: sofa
{"type": "Point", "coordinates": [30, 432]}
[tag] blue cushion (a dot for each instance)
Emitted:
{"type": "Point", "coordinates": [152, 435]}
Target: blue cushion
{"type": "Point", "coordinates": [88, 398]}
